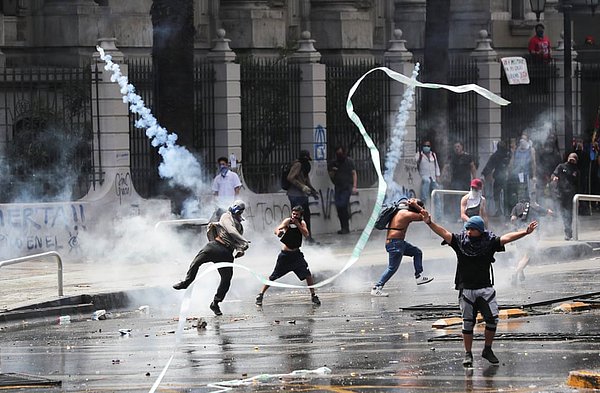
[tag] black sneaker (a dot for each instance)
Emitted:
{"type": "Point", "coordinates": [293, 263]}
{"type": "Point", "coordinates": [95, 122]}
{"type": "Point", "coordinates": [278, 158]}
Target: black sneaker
{"type": "Point", "coordinates": [489, 355]}
{"type": "Point", "coordinates": [315, 300]}
{"type": "Point", "coordinates": [468, 360]}
{"type": "Point", "coordinates": [215, 308]}
{"type": "Point", "coordinates": [259, 299]}
{"type": "Point", "coordinates": [181, 285]}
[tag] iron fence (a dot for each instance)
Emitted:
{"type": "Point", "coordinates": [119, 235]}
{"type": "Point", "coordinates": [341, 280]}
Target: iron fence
{"type": "Point", "coordinates": [372, 104]}
{"type": "Point", "coordinates": [270, 102]}
{"type": "Point", "coordinates": [144, 157]}
{"type": "Point", "coordinates": [532, 102]}
{"type": "Point", "coordinates": [588, 88]}
{"type": "Point", "coordinates": [462, 108]}
{"type": "Point", "coordinates": [46, 116]}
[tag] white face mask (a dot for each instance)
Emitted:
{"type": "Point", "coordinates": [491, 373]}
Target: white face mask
{"type": "Point", "coordinates": [476, 193]}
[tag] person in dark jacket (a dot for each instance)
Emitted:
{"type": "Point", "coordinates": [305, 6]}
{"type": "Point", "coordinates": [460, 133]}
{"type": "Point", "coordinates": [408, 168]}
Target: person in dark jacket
{"type": "Point", "coordinates": [226, 242]}
{"type": "Point", "coordinates": [345, 180]}
{"type": "Point", "coordinates": [301, 188]}
{"type": "Point", "coordinates": [566, 179]}
{"type": "Point", "coordinates": [497, 169]}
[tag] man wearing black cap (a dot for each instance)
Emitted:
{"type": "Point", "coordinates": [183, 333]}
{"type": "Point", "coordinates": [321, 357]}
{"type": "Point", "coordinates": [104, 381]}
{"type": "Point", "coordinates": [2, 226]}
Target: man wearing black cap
{"type": "Point", "coordinates": [475, 248]}
{"type": "Point", "coordinates": [300, 187]}
{"type": "Point", "coordinates": [566, 178]}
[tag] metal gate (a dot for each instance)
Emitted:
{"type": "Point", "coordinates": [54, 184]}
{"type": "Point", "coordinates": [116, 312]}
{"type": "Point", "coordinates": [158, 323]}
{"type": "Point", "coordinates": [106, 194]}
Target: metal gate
{"type": "Point", "coordinates": [462, 108]}
{"type": "Point", "coordinates": [46, 115]}
{"type": "Point", "coordinates": [144, 157]}
{"type": "Point", "coordinates": [529, 102]}
{"type": "Point", "coordinates": [372, 104]}
{"type": "Point", "coordinates": [270, 120]}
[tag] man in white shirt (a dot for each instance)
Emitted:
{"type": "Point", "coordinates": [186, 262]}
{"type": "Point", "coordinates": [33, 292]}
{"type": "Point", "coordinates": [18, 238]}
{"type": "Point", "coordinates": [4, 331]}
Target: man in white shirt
{"type": "Point", "coordinates": [226, 185]}
{"type": "Point", "coordinates": [429, 170]}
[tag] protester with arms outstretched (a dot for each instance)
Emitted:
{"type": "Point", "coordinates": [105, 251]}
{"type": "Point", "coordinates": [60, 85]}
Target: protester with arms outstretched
{"type": "Point", "coordinates": [475, 248]}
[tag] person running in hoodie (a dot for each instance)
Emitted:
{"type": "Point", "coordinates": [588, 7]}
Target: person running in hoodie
{"type": "Point", "coordinates": [226, 242]}
{"type": "Point", "coordinates": [475, 248]}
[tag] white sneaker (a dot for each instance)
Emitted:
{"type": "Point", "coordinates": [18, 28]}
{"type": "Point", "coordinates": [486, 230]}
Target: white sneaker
{"type": "Point", "coordinates": [377, 291]}
{"type": "Point", "coordinates": [423, 280]}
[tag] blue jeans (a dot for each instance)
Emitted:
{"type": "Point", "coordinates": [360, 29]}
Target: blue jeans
{"type": "Point", "coordinates": [427, 186]}
{"type": "Point", "coordinates": [397, 248]}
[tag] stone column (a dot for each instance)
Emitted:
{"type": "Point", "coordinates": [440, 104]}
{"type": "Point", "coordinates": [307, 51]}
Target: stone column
{"type": "Point", "coordinates": [228, 110]}
{"type": "Point", "coordinates": [110, 117]}
{"type": "Point", "coordinates": [399, 59]}
{"type": "Point", "coordinates": [489, 127]}
{"type": "Point", "coordinates": [313, 116]}
{"type": "Point", "coordinates": [559, 56]}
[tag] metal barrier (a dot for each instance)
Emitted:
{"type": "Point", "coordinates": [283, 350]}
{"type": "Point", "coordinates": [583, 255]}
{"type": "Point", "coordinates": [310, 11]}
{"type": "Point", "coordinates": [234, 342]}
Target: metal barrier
{"type": "Point", "coordinates": [576, 199]}
{"type": "Point", "coordinates": [441, 193]}
{"type": "Point", "coordinates": [52, 254]}
{"type": "Point", "coordinates": [201, 221]}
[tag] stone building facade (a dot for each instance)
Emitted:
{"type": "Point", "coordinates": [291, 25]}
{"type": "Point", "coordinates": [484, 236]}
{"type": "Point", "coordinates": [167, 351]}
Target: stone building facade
{"type": "Point", "coordinates": [65, 33]}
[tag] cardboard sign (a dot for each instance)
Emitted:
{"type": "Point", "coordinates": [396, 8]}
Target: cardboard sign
{"type": "Point", "coordinates": [515, 69]}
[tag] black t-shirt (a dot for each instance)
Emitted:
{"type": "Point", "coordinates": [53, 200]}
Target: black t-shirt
{"type": "Point", "coordinates": [475, 257]}
{"type": "Point", "coordinates": [292, 237]}
{"type": "Point", "coordinates": [342, 178]}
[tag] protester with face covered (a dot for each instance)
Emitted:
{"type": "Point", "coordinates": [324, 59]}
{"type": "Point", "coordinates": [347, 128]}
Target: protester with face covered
{"type": "Point", "coordinates": [539, 45]}
{"type": "Point", "coordinates": [301, 188]}
{"type": "Point", "coordinates": [429, 170]}
{"type": "Point", "coordinates": [566, 179]}
{"type": "Point", "coordinates": [226, 241]}
{"type": "Point", "coordinates": [522, 170]}
{"type": "Point", "coordinates": [475, 248]}
{"type": "Point", "coordinates": [345, 180]}
{"type": "Point", "coordinates": [226, 185]}
{"type": "Point", "coordinates": [497, 169]}
{"type": "Point", "coordinates": [474, 204]}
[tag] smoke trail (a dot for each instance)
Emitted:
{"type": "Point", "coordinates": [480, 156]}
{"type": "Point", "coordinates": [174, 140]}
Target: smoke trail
{"type": "Point", "coordinates": [178, 164]}
{"type": "Point", "coordinates": [395, 150]}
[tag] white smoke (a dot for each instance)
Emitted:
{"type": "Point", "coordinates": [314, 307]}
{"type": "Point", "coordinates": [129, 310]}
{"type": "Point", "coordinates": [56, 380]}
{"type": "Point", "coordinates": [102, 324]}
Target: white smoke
{"type": "Point", "coordinates": [395, 150]}
{"type": "Point", "coordinates": [178, 165]}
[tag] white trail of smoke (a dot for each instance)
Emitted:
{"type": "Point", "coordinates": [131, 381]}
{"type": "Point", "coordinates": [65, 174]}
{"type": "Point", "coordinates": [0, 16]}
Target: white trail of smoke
{"type": "Point", "coordinates": [178, 164]}
{"type": "Point", "coordinates": [395, 150]}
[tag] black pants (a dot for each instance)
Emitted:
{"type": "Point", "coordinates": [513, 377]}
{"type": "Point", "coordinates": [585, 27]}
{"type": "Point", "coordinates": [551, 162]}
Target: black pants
{"type": "Point", "coordinates": [566, 211]}
{"type": "Point", "coordinates": [342, 205]}
{"type": "Point", "coordinates": [213, 252]}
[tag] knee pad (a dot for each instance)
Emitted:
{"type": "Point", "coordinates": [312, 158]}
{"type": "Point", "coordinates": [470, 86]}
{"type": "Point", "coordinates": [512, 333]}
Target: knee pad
{"type": "Point", "coordinates": [468, 325]}
{"type": "Point", "coordinates": [491, 324]}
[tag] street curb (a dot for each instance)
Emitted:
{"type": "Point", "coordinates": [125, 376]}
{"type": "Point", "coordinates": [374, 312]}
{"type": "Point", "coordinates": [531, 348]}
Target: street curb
{"type": "Point", "coordinates": [584, 379]}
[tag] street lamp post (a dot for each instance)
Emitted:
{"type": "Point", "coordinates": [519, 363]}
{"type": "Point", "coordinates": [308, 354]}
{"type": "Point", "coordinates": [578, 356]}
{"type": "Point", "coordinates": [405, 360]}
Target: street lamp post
{"type": "Point", "coordinates": [568, 87]}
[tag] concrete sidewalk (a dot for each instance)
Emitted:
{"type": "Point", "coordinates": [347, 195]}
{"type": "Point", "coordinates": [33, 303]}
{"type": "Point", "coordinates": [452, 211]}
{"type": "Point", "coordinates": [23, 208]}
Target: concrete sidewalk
{"type": "Point", "coordinates": [103, 284]}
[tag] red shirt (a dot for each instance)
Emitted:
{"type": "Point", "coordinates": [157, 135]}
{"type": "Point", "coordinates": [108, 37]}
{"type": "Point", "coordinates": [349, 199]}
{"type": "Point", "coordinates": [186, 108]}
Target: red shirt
{"type": "Point", "coordinates": [540, 47]}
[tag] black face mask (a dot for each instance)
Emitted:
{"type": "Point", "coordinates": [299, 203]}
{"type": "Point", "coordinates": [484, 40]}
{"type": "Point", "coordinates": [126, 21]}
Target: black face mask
{"type": "Point", "coordinates": [340, 157]}
{"type": "Point", "coordinates": [305, 165]}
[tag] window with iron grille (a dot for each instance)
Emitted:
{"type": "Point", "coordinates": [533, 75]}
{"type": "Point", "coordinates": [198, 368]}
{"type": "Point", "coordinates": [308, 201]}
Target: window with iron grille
{"type": "Point", "coordinates": [372, 104]}
{"type": "Point", "coordinates": [270, 120]}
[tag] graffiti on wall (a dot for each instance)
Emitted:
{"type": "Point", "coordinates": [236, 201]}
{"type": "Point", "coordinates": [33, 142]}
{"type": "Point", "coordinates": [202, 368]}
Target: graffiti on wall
{"type": "Point", "coordinates": [25, 228]}
{"type": "Point", "coordinates": [122, 185]}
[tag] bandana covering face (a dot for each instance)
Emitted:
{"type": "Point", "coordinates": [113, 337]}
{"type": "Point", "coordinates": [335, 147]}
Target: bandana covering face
{"type": "Point", "coordinates": [223, 170]}
{"type": "Point", "coordinates": [472, 246]}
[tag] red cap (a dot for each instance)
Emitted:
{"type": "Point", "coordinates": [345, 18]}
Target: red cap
{"type": "Point", "coordinates": [477, 183]}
